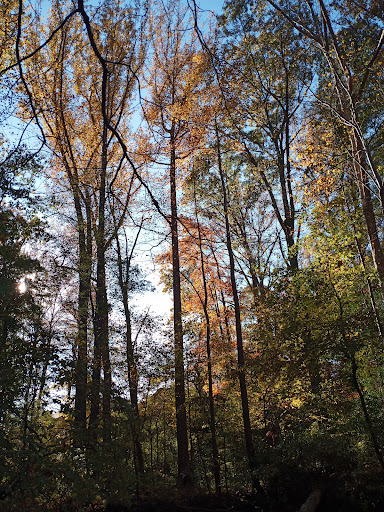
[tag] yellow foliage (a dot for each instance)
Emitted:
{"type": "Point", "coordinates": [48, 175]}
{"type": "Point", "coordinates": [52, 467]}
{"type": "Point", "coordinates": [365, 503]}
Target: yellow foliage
{"type": "Point", "coordinates": [319, 163]}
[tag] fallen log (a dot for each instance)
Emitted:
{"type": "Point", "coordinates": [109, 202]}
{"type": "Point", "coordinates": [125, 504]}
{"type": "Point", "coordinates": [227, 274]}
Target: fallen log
{"type": "Point", "coordinates": [312, 502]}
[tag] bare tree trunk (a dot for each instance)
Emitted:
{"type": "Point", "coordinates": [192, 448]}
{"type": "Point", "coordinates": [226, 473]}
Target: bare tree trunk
{"type": "Point", "coordinates": [85, 262]}
{"type": "Point", "coordinates": [212, 419]}
{"type": "Point", "coordinates": [133, 377]}
{"type": "Point", "coordinates": [101, 296]}
{"type": "Point", "coordinates": [367, 416]}
{"type": "Point", "coordinates": [101, 344]}
{"type": "Point", "coordinates": [366, 202]}
{"type": "Point", "coordinates": [239, 336]}
{"type": "Point", "coordinates": [94, 416]}
{"type": "Point", "coordinates": [184, 471]}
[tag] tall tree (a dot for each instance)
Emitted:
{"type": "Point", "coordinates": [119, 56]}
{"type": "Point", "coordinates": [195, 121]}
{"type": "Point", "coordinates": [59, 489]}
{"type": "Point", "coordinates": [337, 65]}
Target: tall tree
{"type": "Point", "coordinates": [174, 87]}
{"type": "Point", "coordinates": [124, 265]}
{"type": "Point", "coordinates": [269, 72]}
{"type": "Point", "coordinates": [239, 335]}
{"type": "Point", "coordinates": [86, 154]}
{"type": "Point", "coordinates": [350, 39]}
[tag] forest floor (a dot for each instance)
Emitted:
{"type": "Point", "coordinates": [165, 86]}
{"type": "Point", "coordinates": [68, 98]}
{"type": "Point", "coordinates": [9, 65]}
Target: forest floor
{"type": "Point", "coordinates": [315, 501]}
{"type": "Point", "coordinates": [228, 503]}
{"type": "Point", "coordinates": [202, 503]}
{"type": "Point", "coordinates": [252, 503]}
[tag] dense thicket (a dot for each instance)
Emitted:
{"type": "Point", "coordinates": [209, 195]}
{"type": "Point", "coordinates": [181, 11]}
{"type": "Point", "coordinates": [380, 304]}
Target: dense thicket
{"type": "Point", "coordinates": [241, 157]}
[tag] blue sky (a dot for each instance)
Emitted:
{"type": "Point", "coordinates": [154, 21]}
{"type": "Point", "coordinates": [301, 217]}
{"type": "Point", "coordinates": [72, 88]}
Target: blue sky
{"type": "Point", "coordinates": [212, 5]}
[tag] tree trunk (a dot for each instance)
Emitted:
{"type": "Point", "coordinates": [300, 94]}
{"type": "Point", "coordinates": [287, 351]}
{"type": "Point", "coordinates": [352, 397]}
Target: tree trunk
{"type": "Point", "coordinates": [133, 377]}
{"type": "Point", "coordinates": [367, 416]}
{"type": "Point", "coordinates": [85, 262]}
{"type": "Point", "coordinates": [366, 202]}
{"type": "Point", "coordinates": [239, 336]}
{"type": "Point", "coordinates": [101, 296]}
{"type": "Point", "coordinates": [101, 346]}
{"type": "Point", "coordinates": [212, 420]}
{"type": "Point", "coordinates": [184, 472]}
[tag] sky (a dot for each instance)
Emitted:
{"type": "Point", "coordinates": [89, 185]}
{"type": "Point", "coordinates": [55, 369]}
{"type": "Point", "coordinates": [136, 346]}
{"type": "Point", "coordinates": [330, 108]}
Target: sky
{"type": "Point", "coordinates": [211, 5]}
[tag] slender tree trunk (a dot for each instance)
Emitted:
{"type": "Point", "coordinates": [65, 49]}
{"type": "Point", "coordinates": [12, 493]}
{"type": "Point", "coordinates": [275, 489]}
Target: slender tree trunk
{"type": "Point", "coordinates": [239, 336]}
{"type": "Point", "coordinates": [289, 204]}
{"type": "Point", "coordinates": [165, 462]}
{"type": "Point", "coordinates": [133, 381]}
{"type": "Point", "coordinates": [101, 344]}
{"type": "Point", "coordinates": [102, 298]}
{"type": "Point", "coordinates": [133, 377]}
{"type": "Point", "coordinates": [223, 301]}
{"type": "Point", "coordinates": [184, 471]}
{"type": "Point", "coordinates": [366, 202]}
{"type": "Point", "coordinates": [43, 377]}
{"type": "Point", "coordinates": [94, 416]}
{"type": "Point", "coordinates": [225, 463]}
{"type": "Point", "coordinates": [85, 261]}
{"type": "Point", "coordinates": [367, 416]}
{"type": "Point", "coordinates": [157, 446]}
{"type": "Point", "coordinates": [189, 416]}
{"type": "Point", "coordinates": [212, 419]}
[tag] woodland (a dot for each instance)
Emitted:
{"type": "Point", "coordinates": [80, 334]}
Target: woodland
{"type": "Point", "coordinates": [231, 163]}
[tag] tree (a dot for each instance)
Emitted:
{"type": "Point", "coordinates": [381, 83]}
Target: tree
{"type": "Point", "coordinates": [268, 188]}
{"type": "Point", "coordinates": [25, 337]}
{"type": "Point", "coordinates": [351, 54]}
{"type": "Point", "coordinates": [86, 154]}
{"type": "Point", "coordinates": [265, 74]}
{"type": "Point", "coordinates": [239, 334]}
{"type": "Point", "coordinates": [174, 88]}
{"type": "Point", "coordinates": [17, 230]}
{"type": "Point", "coordinates": [124, 265]}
